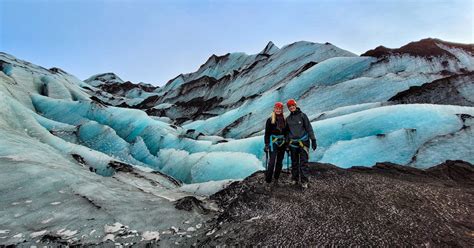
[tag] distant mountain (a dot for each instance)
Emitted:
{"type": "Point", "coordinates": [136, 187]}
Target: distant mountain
{"type": "Point", "coordinates": [429, 48]}
{"type": "Point", "coordinates": [321, 77]}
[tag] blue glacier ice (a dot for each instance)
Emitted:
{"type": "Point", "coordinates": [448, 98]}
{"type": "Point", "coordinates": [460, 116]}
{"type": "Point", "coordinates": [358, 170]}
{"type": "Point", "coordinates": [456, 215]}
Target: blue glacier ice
{"type": "Point", "coordinates": [118, 132]}
{"type": "Point", "coordinates": [73, 167]}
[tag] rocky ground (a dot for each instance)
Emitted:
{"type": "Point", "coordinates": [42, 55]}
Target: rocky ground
{"type": "Point", "coordinates": [386, 205]}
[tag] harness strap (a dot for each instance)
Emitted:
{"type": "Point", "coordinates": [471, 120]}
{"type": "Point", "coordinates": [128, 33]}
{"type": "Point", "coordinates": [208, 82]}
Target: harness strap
{"type": "Point", "coordinates": [299, 141]}
{"type": "Point", "coordinates": [279, 140]}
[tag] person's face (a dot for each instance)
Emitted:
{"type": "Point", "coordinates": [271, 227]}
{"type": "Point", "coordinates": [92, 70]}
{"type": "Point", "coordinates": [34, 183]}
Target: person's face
{"type": "Point", "coordinates": [292, 108]}
{"type": "Point", "coordinates": [278, 110]}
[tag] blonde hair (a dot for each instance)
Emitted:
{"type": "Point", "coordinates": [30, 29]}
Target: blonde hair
{"type": "Point", "coordinates": [273, 116]}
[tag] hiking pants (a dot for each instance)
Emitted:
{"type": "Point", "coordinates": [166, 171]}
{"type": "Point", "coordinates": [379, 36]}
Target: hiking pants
{"type": "Point", "coordinates": [275, 163]}
{"type": "Point", "coordinates": [299, 155]}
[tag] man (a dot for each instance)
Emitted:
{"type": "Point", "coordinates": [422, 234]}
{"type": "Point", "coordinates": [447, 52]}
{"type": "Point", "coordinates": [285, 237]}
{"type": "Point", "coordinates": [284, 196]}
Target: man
{"type": "Point", "coordinates": [300, 132]}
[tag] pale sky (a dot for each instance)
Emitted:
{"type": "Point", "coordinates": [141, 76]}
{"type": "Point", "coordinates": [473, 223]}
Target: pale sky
{"type": "Point", "coordinates": [154, 41]}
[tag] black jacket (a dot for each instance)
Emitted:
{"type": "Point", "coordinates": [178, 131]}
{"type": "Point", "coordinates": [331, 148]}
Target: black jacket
{"type": "Point", "coordinates": [271, 129]}
{"type": "Point", "coordinates": [298, 125]}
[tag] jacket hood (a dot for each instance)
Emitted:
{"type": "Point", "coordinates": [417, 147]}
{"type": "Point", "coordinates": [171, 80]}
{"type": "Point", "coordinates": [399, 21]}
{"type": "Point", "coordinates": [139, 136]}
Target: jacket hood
{"type": "Point", "coordinates": [297, 111]}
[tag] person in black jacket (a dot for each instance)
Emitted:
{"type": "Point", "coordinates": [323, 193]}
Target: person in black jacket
{"type": "Point", "coordinates": [275, 142]}
{"type": "Point", "coordinates": [300, 132]}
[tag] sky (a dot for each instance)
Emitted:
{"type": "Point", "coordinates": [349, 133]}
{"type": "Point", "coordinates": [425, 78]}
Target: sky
{"type": "Point", "coordinates": [154, 41]}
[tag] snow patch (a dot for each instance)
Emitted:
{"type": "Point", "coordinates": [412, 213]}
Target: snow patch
{"type": "Point", "coordinates": [46, 221]}
{"type": "Point", "coordinates": [149, 235]}
{"type": "Point", "coordinates": [109, 236]}
{"type": "Point", "coordinates": [114, 227]}
{"type": "Point", "coordinates": [20, 235]}
{"type": "Point", "coordinates": [37, 234]}
{"type": "Point", "coordinates": [13, 158]}
{"type": "Point", "coordinates": [254, 218]}
{"type": "Point", "coordinates": [66, 233]}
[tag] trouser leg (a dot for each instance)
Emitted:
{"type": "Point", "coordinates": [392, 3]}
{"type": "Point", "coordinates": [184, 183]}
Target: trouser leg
{"type": "Point", "coordinates": [279, 162]}
{"type": "Point", "coordinates": [294, 153]}
{"type": "Point", "coordinates": [304, 164]}
{"type": "Point", "coordinates": [270, 166]}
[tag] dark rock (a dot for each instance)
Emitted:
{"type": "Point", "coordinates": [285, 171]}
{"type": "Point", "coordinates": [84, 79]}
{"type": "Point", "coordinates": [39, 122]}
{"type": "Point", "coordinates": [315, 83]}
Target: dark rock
{"type": "Point", "coordinates": [172, 179]}
{"type": "Point", "coordinates": [465, 117]}
{"type": "Point", "coordinates": [190, 203]}
{"type": "Point", "coordinates": [384, 205]}
{"type": "Point", "coordinates": [440, 91]}
{"type": "Point", "coordinates": [53, 238]}
{"type": "Point", "coordinates": [195, 108]}
{"type": "Point", "coordinates": [119, 166]}
{"type": "Point", "coordinates": [122, 88]}
{"type": "Point", "coordinates": [127, 168]}
{"type": "Point", "coordinates": [87, 88]}
{"type": "Point", "coordinates": [427, 48]}
{"type": "Point", "coordinates": [234, 124]}
{"type": "Point", "coordinates": [98, 101]}
{"type": "Point", "coordinates": [79, 159]}
{"type": "Point", "coordinates": [148, 102]}
{"type": "Point", "coordinates": [304, 68]}
{"type": "Point", "coordinates": [43, 89]}
{"type": "Point", "coordinates": [457, 170]}
{"type": "Point", "coordinates": [202, 82]}
{"type": "Point", "coordinates": [124, 105]}
{"type": "Point", "coordinates": [155, 112]}
{"type": "Point", "coordinates": [57, 70]}
{"type": "Point", "coordinates": [90, 201]}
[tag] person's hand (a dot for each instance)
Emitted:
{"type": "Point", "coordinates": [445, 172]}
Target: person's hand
{"type": "Point", "coordinates": [266, 148]}
{"type": "Point", "coordinates": [314, 145]}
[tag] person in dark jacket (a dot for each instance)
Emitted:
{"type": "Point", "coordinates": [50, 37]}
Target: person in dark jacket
{"type": "Point", "coordinates": [275, 138]}
{"type": "Point", "coordinates": [300, 133]}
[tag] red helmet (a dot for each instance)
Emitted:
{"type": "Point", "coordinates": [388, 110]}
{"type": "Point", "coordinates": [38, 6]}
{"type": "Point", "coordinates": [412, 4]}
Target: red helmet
{"type": "Point", "coordinates": [278, 105]}
{"type": "Point", "coordinates": [291, 102]}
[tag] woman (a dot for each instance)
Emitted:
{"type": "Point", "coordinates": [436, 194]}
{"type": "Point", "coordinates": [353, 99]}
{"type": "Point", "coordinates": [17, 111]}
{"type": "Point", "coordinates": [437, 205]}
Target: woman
{"type": "Point", "coordinates": [275, 143]}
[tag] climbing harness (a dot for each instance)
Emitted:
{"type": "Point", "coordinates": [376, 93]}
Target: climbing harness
{"type": "Point", "coordinates": [279, 140]}
{"type": "Point", "coordinates": [295, 143]}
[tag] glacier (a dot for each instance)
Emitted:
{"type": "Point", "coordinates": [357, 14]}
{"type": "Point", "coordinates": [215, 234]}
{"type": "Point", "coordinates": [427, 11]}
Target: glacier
{"type": "Point", "coordinates": [321, 76]}
{"type": "Point", "coordinates": [80, 159]}
{"type": "Point", "coordinates": [339, 91]}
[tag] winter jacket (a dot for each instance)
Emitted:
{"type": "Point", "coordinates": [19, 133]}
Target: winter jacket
{"type": "Point", "coordinates": [298, 125]}
{"type": "Point", "coordinates": [272, 129]}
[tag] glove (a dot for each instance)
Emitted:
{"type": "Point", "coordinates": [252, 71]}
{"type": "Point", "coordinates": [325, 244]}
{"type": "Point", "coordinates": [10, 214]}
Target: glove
{"type": "Point", "coordinates": [267, 148]}
{"type": "Point", "coordinates": [313, 145]}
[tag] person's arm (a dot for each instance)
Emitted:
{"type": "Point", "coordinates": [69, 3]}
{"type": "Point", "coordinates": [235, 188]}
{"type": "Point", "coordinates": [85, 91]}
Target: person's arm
{"type": "Point", "coordinates": [309, 130]}
{"type": "Point", "coordinates": [267, 133]}
{"type": "Point", "coordinates": [286, 133]}
{"type": "Point", "coordinates": [308, 127]}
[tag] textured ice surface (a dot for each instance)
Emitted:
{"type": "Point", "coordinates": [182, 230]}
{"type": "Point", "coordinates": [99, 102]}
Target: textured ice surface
{"type": "Point", "coordinates": [74, 168]}
{"type": "Point", "coordinates": [131, 136]}
{"type": "Point", "coordinates": [334, 80]}
{"type": "Point", "coordinates": [206, 188]}
{"type": "Point", "coordinates": [52, 184]}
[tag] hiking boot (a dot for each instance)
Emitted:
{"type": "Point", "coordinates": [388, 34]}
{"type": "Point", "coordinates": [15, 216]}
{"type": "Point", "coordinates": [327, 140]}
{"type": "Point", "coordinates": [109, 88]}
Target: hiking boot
{"type": "Point", "coordinates": [275, 183]}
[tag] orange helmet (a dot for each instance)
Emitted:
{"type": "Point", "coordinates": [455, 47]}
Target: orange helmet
{"type": "Point", "coordinates": [278, 105]}
{"type": "Point", "coordinates": [291, 102]}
